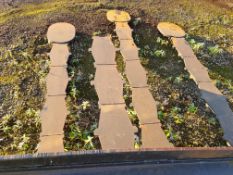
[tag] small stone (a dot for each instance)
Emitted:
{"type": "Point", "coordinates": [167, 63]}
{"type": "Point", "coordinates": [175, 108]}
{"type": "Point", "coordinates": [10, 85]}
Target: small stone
{"type": "Point", "coordinates": [165, 102]}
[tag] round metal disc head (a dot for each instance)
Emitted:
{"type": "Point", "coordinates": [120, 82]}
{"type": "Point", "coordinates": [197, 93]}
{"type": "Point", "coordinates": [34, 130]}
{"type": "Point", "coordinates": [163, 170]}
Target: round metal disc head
{"type": "Point", "coordinates": [118, 16]}
{"type": "Point", "coordinates": [170, 30]}
{"type": "Point", "coordinates": [61, 33]}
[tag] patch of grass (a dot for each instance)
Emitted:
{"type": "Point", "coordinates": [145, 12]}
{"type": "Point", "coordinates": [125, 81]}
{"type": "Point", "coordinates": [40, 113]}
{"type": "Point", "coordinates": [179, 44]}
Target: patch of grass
{"type": "Point", "coordinates": [185, 119]}
{"type": "Point", "coordinates": [215, 50]}
{"type": "Point", "coordinates": [225, 72]}
{"type": "Point", "coordinates": [22, 93]}
{"type": "Point", "coordinates": [192, 108]}
{"type": "Point", "coordinates": [82, 99]}
{"type": "Point", "coordinates": [25, 10]}
{"type": "Point", "coordinates": [219, 63]}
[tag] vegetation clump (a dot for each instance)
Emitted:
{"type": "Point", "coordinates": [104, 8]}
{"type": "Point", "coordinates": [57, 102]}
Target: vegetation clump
{"type": "Point", "coordinates": [22, 93]}
{"type": "Point", "coordinates": [185, 118]}
{"type": "Point", "coordinates": [81, 98]}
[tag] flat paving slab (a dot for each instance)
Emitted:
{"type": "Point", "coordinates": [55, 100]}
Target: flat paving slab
{"type": "Point", "coordinates": [61, 33]}
{"type": "Point", "coordinates": [129, 50]}
{"type": "Point", "coordinates": [197, 71]}
{"type": "Point", "coordinates": [123, 34]}
{"type": "Point", "coordinates": [53, 115]}
{"type": "Point", "coordinates": [115, 130]}
{"type": "Point", "coordinates": [103, 51]}
{"type": "Point", "coordinates": [118, 16]}
{"type": "Point", "coordinates": [170, 30]}
{"type": "Point", "coordinates": [51, 144]}
{"type": "Point", "coordinates": [109, 85]}
{"type": "Point", "coordinates": [227, 126]}
{"type": "Point", "coordinates": [128, 44]}
{"type": "Point", "coordinates": [145, 106]}
{"type": "Point", "coordinates": [57, 81]}
{"type": "Point", "coordinates": [154, 137]}
{"type": "Point", "coordinates": [213, 97]}
{"type": "Point", "coordinates": [219, 105]}
{"type": "Point", "coordinates": [210, 87]}
{"type": "Point", "coordinates": [59, 55]}
{"type": "Point", "coordinates": [123, 31]}
{"type": "Point", "coordinates": [54, 112]}
{"type": "Point", "coordinates": [142, 100]}
{"type": "Point", "coordinates": [183, 48]}
{"type": "Point", "coordinates": [136, 74]}
{"type": "Point", "coordinates": [123, 25]}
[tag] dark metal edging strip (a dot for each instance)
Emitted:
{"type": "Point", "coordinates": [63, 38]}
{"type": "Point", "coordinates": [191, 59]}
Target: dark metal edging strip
{"type": "Point", "coordinates": [111, 157]}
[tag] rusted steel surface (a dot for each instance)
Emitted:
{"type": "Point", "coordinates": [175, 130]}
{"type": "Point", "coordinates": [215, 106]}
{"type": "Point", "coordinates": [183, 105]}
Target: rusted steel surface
{"type": "Point", "coordinates": [213, 97]}
{"type": "Point", "coordinates": [180, 160]}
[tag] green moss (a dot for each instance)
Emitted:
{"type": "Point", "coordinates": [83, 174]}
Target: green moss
{"type": "Point", "coordinates": [8, 79]}
{"type": "Point", "coordinates": [225, 72]}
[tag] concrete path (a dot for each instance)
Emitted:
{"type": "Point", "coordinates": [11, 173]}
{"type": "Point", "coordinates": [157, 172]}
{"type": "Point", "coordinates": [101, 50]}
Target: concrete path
{"type": "Point", "coordinates": [115, 130]}
{"type": "Point", "coordinates": [143, 101]}
{"type": "Point", "coordinates": [213, 97]}
{"type": "Point", "coordinates": [54, 113]}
